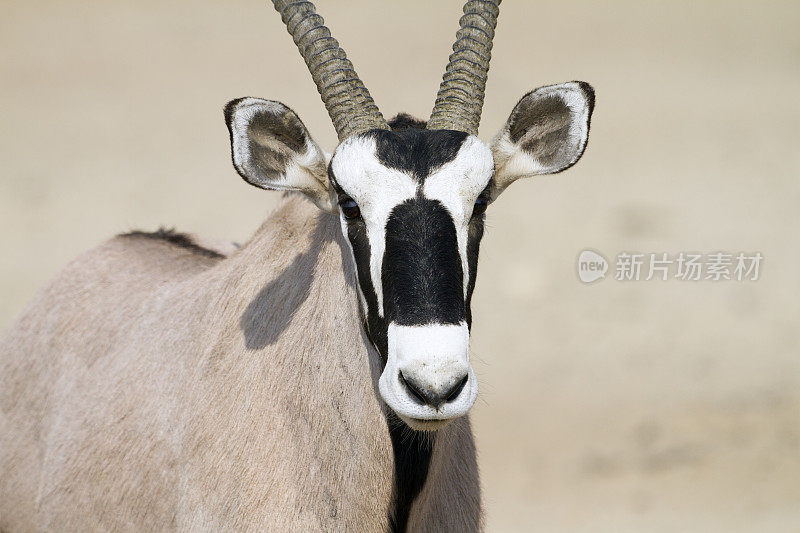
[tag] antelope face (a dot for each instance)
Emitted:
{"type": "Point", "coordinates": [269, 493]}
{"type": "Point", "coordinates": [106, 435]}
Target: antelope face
{"type": "Point", "coordinates": [411, 203]}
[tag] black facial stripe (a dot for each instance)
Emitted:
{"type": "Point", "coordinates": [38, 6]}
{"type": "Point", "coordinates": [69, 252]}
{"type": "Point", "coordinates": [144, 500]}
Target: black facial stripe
{"type": "Point", "coordinates": [417, 151]}
{"type": "Point", "coordinates": [376, 326]}
{"type": "Point", "coordinates": [474, 236]}
{"type": "Point", "coordinates": [422, 276]}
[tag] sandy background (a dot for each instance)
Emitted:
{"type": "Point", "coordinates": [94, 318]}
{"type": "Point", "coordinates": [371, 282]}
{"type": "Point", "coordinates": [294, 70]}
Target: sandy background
{"type": "Point", "coordinates": [640, 406]}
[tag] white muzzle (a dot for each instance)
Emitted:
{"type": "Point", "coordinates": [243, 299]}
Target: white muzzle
{"type": "Point", "coordinates": [428, 379]}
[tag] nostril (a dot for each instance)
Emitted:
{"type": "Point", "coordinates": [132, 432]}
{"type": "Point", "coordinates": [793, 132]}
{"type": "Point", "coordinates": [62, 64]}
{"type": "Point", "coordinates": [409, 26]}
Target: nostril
{"type": "Point", "coordinates": [457, 389]}
{"type": "Point", "coordinates": [416, 392]}
{"type": "Point", "coordinates": [426, 396]}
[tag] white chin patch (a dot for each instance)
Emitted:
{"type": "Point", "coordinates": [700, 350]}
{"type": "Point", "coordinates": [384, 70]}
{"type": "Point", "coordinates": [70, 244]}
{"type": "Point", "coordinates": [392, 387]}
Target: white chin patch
{"type": "Point", "coordinates": [433, 358]}
{"type": "Point", "coordinates": [425, 425]}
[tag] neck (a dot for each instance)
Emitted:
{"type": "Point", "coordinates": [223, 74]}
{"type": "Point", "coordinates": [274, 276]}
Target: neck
{"type": "Point", "coordinates": [412, 460]}
{"type": "Point", "coordinates": [300, 313]}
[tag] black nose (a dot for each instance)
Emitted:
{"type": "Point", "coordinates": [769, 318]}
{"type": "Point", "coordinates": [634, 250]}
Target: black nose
{"type": "Point", "coordinates": [428, 396]}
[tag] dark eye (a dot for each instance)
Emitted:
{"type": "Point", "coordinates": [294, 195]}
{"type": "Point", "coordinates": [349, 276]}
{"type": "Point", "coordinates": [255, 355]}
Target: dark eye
{"type": "Point", "coordinates": [480, 206]}
{"type": "Point", "coordinates": [349, 208]}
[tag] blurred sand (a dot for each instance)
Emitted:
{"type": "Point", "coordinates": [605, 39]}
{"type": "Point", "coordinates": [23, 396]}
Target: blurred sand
{"type": "Point", "coordinates": [641, 406]}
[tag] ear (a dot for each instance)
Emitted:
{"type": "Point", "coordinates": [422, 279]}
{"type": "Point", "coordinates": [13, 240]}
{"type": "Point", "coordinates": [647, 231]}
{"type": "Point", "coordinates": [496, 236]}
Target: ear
{"type": "Point", "coordinates": [272, 149]}
{"type": "Point", "coordinates": [546, 133]}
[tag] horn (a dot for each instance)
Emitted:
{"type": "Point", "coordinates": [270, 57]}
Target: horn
{"type": "Point", "coordinates": [460, 98]}
{"type": "Point", "coordinates": [347, 100]}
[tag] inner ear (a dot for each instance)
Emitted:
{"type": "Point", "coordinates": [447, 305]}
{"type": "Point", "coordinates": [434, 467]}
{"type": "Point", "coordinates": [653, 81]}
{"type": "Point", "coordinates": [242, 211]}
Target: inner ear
{"type": "Point", "coordinates": [546, 132]}
{"type": "Point", "coordinates": [274, 138]}
{"type": "Point", "coordinates": [272, 149]}
{"type": "Point", "coordinates": [536, 123]}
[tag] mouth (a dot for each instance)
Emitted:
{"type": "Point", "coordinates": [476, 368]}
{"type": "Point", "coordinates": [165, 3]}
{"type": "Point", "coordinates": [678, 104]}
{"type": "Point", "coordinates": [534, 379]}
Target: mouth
{"type": "Point", "coordinates": [425, 424]}
{"type": "Point", "coordinates": [425, 417]}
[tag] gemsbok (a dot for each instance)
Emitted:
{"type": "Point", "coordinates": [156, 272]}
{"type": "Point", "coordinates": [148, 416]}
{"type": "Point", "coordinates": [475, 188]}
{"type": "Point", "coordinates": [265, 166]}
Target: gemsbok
{"type": "Point", "coordinates": [317, 377]}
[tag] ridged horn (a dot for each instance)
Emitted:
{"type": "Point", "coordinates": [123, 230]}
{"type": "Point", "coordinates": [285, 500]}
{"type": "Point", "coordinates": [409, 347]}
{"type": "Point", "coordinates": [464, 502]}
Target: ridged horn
{"type": "Point", "coordinates": [460, 98]}
{"type": "Point", "coordinates": [347, 100]}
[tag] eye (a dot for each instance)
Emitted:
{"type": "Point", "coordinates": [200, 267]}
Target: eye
{"type": "Point", "coordinates": [480, 206]}
{"type": "Point", "coordinates": [349, 208]}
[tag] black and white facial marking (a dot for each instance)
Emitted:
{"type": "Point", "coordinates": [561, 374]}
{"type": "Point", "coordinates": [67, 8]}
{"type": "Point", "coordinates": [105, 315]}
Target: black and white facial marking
{"type": "Point", "coordinates": [408, 208]}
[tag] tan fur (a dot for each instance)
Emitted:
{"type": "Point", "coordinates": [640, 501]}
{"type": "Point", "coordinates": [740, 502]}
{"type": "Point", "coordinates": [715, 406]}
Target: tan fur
{"type": "Point", "coordinates": [149, 387]}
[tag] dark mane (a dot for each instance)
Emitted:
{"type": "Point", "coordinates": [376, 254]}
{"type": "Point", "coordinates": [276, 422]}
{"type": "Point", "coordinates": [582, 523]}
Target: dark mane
{"type": "Point", "coordinates": [177, 239]}
{"type": "Point", "coordinates": [404, 121]}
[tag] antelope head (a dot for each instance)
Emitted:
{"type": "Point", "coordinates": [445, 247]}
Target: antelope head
{"type": "Point", "coordinates": [411, 197]}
